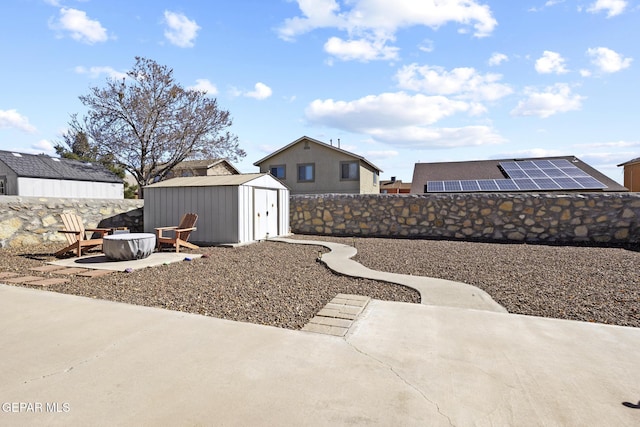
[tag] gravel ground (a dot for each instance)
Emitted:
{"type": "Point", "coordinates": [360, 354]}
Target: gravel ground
{"type": "Point", "coordinates": [282, 285]}
{"type": "Point", "coordinates": [266, 283]}
{"type": "Point", "coordinates": [593, 284]}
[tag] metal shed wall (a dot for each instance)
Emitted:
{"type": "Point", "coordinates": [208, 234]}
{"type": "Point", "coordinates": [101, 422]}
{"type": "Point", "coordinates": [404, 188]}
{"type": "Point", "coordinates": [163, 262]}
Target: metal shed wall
{"type": "Point", "coordinates": [226, 213]}
{"type": "Point", "coordinates": [38, 187]}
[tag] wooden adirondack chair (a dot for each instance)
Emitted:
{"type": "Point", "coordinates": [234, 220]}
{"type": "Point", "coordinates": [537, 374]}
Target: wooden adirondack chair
{"type": "Point", "coordinates": [181, 233]}
{"type": "Point", "coordinates": [76, 235]}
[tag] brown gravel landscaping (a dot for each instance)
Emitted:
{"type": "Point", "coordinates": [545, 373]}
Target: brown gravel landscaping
{"type": "Point", "coordinates": [282, 285]}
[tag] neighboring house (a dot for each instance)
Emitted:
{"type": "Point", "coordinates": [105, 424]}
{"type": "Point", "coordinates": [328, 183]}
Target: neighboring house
{"type": "Point", "coordinates": [309, 166]}
{"type": "Point", "coordinates": [210, 167]}
{"type": "Point", "coordinates": [632, 174]}
{"type": "Point", "coordinates": [202, 168]}
{"type": "Point", "coordinates": [541, 174]}
{"type": "Point", "coordinates": [33, 175]}
{"type": "Point", "coordinates": [395, 186]}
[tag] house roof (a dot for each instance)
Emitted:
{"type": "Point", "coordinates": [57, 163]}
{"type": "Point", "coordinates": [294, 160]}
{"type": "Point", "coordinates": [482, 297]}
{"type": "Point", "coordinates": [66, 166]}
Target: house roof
{"type": "Point", "coordinates": [489, 169]}
{"type": "Point", "coordinates": [43, 166]}
{"type": "Point", "coordinates": [394, 184]}
{"type": "Point", "coordinates": [210, 180]}
{"type": "Point", "coordinates": [630, 162]}
{"type": "Point", "coordinates": [323, 144]}
{"type": "Point", "coordinates": [206, 163]}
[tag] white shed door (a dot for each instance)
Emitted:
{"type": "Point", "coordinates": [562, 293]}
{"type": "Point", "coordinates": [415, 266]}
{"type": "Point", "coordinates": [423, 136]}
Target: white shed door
{"type": "Point", "coordinates": [265, 208]}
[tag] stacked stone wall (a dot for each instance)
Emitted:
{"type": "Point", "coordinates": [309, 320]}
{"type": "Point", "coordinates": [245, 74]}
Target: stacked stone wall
{"type": "Point", "coordinates": [33, 220]}
{"type": "Point", "coordinates": [590, 217]}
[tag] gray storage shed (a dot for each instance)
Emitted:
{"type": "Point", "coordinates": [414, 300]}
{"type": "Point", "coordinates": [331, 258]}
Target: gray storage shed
{"type": "Point", "coordinates": [231, 208]}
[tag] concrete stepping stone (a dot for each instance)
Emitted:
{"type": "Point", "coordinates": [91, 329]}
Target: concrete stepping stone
{"type": "Point", "coordinates": [22, 279]}
{"type": "Point", "coordinates": [96, 273]}
{"type": "Point", "coordinates": [72, 270]}
{"type": "Point", "coordinates": [46, 268]}
{"type": "Point", "coordinates": [338, 315]}
{"type": "Point", "coordinates": [48, 282]}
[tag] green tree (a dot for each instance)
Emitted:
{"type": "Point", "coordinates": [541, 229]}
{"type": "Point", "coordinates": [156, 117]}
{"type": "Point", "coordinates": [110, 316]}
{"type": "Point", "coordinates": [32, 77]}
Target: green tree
{"type": "Point", "coordinates": [147, 123]}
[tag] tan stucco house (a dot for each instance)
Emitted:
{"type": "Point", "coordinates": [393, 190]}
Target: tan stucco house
{"type": "Point", "coordinates": [309, 166]}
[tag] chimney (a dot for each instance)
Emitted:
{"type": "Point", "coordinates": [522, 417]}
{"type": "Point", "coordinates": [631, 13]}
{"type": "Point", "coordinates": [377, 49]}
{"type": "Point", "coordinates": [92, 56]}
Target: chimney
{"type": "Point", "coordinates": [393, 179]}
{"type": "Point", "coordinates": [338, 142]}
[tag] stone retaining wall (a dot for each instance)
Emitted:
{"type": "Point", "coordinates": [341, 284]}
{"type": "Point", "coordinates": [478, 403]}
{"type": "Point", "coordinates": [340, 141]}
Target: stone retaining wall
{"type": "Point", "coordinates": [34, 220]}
{"type": "Point", "coordinates": [591, 217]}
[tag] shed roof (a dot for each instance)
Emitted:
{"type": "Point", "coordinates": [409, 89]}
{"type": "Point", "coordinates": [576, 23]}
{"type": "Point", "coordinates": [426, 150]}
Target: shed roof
{"type": "Point", "coordinates": [213, 180]}
{"type": "Point", "coordinates": [315, 141]}
{"type": "Point", "coordinates": [43, 166]}
{"type": "Point", "coordinates": [488, 169]}
{"type": "Point", "coordinates": [630, 162]}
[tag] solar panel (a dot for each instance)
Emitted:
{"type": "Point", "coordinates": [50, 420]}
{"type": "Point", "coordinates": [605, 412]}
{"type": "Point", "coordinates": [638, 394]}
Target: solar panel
{"type": "Point", "coordinates": [575, 172]}
{"type": "Point", "coordinates": [527, 175]}
{"type": "Point", "coordinates": [487, 185]}
{"type": "Point", "coordinates": [435, 186]}
{"type": "Point", "coordinates": [535, 173]}
{"type": "Point", "coordinates": [470, 185]}
{"type": "Point", "coordinates": [526, 184]}
{"type": "Point", "coordinates": [452, 186]}
{"type": "Point", "coordinates": [589, 182]}
{"type": "Point", "coordinates": [506, 185]}
{"type": "Point", "coordinates": [507, 166]}
{"type": "Point", "coordinates": [547, 184]}
{"type": "Point", "coordinates": [555, 173]}
{"type": "Point", "coordinates": [517, 173]}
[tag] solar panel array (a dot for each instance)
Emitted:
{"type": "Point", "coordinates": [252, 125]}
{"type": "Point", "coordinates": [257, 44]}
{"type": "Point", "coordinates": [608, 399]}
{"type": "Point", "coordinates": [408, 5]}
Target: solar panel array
{"type": "Point", "coordinates": [527, 175]}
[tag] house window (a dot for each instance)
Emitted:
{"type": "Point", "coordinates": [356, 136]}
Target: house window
{"type": "Point", "coordinates": [375, 178]}
{"type": "Point", "coordinates": [3, 186]}
{"type": "Point", "coordinates": [349, 171]}
{"type": "Point", "coordinates": [278, 171]}
{"type": "Point", "coordinates": [306, 172]}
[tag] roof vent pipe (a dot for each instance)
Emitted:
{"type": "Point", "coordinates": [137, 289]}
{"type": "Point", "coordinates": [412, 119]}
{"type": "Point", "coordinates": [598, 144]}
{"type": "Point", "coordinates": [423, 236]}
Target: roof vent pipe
{"type": "Point", "coordinates": [338, 142]}
{"type": "Point", "coordinates": [331, 142]}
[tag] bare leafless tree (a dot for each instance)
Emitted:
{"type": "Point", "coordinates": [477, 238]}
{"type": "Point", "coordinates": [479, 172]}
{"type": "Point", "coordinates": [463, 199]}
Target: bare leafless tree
{"type": "Point", "coordinates": [147, 123]}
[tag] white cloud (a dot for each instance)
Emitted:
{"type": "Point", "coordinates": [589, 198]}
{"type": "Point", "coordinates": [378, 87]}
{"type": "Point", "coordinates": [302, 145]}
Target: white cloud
{"type": "Point", "coordinates": [42, 146]}
{"type": "Point", "coordinates": [553, 100]}
{"type": "Point", "coordinates": [261, 91]}
{"type": "Point", "coordinates": [381, 154]}
{"type": "Point", "coordinates": [612, 144]}
{"type": "Point", "coordinates": [181, 30]}
{"type": "Point", "coordinates": [375, 22]}
{"type": "Point", "coordinates": [401, 120]}
{"type": "Point", "coordinates": [80, 27]}
{"type": "Point", "coordinates": [464, 83]}
{"type": "Point", "coordinates": [95, 72]}
{"type": "Point", "coordinates": [387, 110]}
{"type": "Point", "coordinates": [612, 7]}
{"type": "Point", "coordinates": [204, 85]}
{"type": "Point", "coordinates": [550, 62]}
{"type": "Point", "coordinates": [12, 119]}
{"type": "Point", "coordinates": [361, 50]}
{"type": "Point", "coordinates": [497, 59]}
{"type": "Point", "coordinates": [530, 152]}
{"type": "Point", "coordinates": [416, 137]}
{"type": "Point", "coordinates": [426, 46]}
{"type": "Point", "coordinates": [607, 60]}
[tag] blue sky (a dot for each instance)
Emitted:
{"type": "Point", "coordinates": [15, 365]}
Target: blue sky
{"type": "Point", "coordinates": [398, 82]}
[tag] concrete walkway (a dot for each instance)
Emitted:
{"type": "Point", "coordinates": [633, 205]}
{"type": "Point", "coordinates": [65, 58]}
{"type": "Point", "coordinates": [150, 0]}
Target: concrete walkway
{"type": "Point", "coordinates": [74, 361]}
{"type": "Point", "coordinates": [433, 291]}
